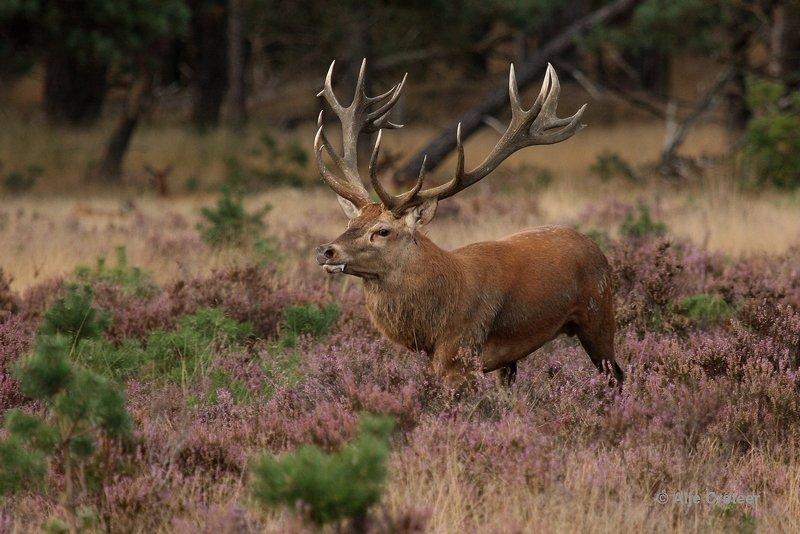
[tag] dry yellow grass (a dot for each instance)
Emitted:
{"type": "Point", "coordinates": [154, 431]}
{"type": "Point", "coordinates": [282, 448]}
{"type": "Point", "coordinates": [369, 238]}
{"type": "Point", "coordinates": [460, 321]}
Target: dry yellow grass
{"type": "Point", "coordinates": [48, 236]}
{"type": "Point", "coordinates": [579, 502]}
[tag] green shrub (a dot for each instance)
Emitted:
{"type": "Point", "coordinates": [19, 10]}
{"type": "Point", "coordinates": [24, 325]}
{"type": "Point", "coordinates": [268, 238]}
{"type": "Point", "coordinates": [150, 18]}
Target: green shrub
{"type": "Point", "coordinates": [642, 224]}
{"type": "Point", "coordinates": [221, 378]}
{"type": "Point", "coordinates": [132, 280]}
{"type": "Point", "coordinates": [73, 315]}
{"type": "Point", "coordinates": [115, 362]}
{"type": "Point", "coordinates": [265, 251]}
{"type": "Point", "coordinates": [610, 165]}
{"type": "Point", "coordinates": [80, 410]}
{"type": "Point", "coordinates": [192, 184]}
{"type": "Point", "coordinates": [308, 319]}
{"type": "Point", "coordinates": [328, 487]}
{"type": "Point", "coordinates": [17, 182]}
{"type": "Point", "coordinates": [772, 139]}
{"type": "Point", "coordinates": [229, 224]}
{"type": "Point", "coordinates": [177, 356]}
{"type": "Point", "coordinates": [270, 164]}
{"type": "Point", "coordinates": [600, 237]}
{"type": "Point", "coordinates": [188, 351]}
{"type": "Point", "coordinates": [705, 309]}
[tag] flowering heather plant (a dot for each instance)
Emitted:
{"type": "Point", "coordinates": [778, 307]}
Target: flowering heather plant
{"type": "Point", "coordinates": [9, 302]}
{"type": "Point", "coordinates": [710, 346]}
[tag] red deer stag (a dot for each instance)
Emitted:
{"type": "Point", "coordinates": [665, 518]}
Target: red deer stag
{"type": "Point", "coordinates": [500, 299]}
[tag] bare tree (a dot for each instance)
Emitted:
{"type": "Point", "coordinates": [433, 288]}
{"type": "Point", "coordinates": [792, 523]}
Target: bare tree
{"type": "Point", "coordinates": [472, 120]}
{"type": "Point", "coordinates": [139, 97]}
{"type": "Point", "coordinates": [237, 110]}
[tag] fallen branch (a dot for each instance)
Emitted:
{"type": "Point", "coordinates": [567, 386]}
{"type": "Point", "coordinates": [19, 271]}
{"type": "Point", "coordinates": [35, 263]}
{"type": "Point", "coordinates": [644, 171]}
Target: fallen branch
{"type": "Point", "coordinates": [671, 163]}
{"type": "Point", "coordinates": [444, 143]}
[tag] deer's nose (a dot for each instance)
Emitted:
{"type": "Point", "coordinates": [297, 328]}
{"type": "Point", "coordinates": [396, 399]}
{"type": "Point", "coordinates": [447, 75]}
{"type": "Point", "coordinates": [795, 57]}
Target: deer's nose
{"type": "Point", "coordinates": [326, 253]}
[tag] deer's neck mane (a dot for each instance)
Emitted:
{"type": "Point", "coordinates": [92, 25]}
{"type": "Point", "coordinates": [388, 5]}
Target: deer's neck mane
{"type": "Point", "coordinates": [414, 305]}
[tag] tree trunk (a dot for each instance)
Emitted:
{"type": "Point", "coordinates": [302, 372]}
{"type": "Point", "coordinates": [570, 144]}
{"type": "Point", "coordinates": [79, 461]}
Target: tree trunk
{"type": "Point", "coordinates": [739, 32]}
{"type": "Point", "coordinates": [652, 69]}
{"type": "Point", "coordinates": [785, 44]}
{"type": "Point", "coordinates": [671, 163]}
{"type": "Point", "coordinates": [237, 110]}
{"type": "Point", "coordinates": [471, 120]}
{"type": "Point", "coordinates": [209, 61]}
{"type": "Point", "coordinates": [111, 166]}
{"type": "Point", "coordinates": [73, 92]}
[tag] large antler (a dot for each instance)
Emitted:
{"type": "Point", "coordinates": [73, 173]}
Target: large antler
{"type": "Point", "coordinates": [536, 126]}
{"type": "Point", "coordinates": [355, 118]}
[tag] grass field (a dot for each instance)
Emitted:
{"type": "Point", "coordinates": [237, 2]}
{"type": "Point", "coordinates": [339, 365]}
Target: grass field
{"type": "Point", "coordinates": [710, 405]}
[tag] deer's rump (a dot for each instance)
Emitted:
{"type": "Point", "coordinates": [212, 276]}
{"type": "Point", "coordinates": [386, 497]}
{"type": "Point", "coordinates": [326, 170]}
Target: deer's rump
{"type": "Point", "coordinates": [548, 280]}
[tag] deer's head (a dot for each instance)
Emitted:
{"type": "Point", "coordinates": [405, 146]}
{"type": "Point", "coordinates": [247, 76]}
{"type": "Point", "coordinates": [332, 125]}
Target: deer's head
{"type": "Point", "coordinates": [381, 238]}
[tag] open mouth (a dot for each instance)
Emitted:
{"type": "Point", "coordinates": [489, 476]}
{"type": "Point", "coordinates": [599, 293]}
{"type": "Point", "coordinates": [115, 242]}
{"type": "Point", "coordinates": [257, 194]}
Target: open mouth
{"type": "Point", "coordinates": [334, 268]}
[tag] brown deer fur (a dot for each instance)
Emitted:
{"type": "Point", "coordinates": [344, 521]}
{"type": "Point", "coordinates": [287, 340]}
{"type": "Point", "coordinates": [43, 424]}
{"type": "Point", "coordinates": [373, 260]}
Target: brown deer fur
{"type": "Point", "coordinates": [501, 300]}
{"type": "Point", "coordinates": [497, 301]}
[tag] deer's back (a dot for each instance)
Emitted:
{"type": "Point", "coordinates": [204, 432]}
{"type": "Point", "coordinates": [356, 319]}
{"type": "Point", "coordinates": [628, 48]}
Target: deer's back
{"type": "Point", "coordinates": [541, 276]}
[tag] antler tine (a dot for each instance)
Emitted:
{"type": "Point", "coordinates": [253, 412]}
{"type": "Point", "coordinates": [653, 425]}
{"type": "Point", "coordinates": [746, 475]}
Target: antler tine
{"type": "Point", "coordinates": [460, 150]}
{"type": "Point", "coordinates": [536, 126]}
{"type": "Point", "coordinates": [396, 204]}
{"type": "Point", "coordinates": [327, 91]}
{"type": "Point", "coordinates": [343, 190]}
{"type": "Point", "coordinates": [337, 159]}
{"type": "Point", "coordinates": [355, 119]}
{"type": "Point", "coordinates": [547, 113]}
{"type": "Point", "coordinates": [573, 126]}
{"type": "Point", "coordinates": [386, 198]}
{"type": "Point", "coordinates": [387, 107]}
{"type": "Point", "coordinates": [359, 96]}
{"type": "Point", "coordinates": [513, 95]}
{"type": "Point", "coordinates": [376, 98]}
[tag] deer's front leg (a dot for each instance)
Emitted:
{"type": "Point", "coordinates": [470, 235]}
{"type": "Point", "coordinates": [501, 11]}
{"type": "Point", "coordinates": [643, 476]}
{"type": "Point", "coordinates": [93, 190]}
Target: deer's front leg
{"type": "Point", "coordinates": [454, 363]}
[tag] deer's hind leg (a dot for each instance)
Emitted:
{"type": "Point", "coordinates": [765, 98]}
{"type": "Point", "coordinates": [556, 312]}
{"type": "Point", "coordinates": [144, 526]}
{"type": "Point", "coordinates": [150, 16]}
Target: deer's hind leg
{"type": "Point", "coordinates": [508, 374]}
{"type": "Point", "coordinates": [596, 333]}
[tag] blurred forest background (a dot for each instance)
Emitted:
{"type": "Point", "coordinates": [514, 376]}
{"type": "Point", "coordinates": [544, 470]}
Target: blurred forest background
{"type": "Point", "coordinates": [160, 202]}
{"type": "Point", "coordinates": [694, 109]}
{"type": "Point", "coordinates": [88, 75]}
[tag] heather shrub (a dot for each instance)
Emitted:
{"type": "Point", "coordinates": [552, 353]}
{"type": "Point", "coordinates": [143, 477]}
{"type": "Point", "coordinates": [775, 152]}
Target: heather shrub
{"type": "Point", "coordinates": [81, 412]}
{"type": "Point", "coordinates": [705, 309]}
{"type": "Point", "coordinates": [281, 367]}
{"type": "Point", "coordinates": [132, 280]}
{"type": "Point", "coordinates": [222, 379]}
{"type": "Point", "coordinates": [647, 281]}
{"type": "Point", "coordinates": [641, 224]}
{"type": "Point", "coordinates": [328, 487]}
{"type": "Point", "coordinates": [228, 224]}
{"type": "Point", "coordinates": [9, 301]}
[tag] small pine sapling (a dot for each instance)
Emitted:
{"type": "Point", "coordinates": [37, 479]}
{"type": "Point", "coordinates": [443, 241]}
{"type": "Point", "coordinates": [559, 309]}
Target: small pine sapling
{"type": "Point", "coordinates": [81, 411]}
{"type": "Point", "coordinates": [333, 487]}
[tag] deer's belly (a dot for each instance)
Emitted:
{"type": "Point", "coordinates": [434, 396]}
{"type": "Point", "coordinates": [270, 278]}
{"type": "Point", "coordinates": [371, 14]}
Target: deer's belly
{"type": "Point", "coordinates": [519, 330]}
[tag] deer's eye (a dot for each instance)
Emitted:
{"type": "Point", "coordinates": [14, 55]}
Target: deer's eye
{"type": "Point", "coordinates": [383, 232]}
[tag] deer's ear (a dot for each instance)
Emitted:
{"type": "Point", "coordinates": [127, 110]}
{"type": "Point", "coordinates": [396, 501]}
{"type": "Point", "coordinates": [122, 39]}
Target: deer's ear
{"type": "Point", "coordinates": [422, 214]}
{"type": "Point", "coordinates": [348, 207]}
